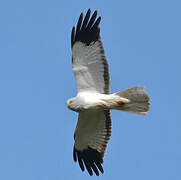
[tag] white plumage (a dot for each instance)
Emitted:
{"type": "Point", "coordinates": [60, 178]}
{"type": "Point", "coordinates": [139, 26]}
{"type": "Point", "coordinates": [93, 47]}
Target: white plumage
{"type": "Point", "coordinates": [94, 101]}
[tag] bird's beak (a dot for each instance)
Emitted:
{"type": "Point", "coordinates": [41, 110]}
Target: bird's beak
{"type": "Point", "coordinates": [68, 103]}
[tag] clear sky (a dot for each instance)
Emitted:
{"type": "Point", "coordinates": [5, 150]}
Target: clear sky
{"type": "Point", "coordinates": [142, 41]}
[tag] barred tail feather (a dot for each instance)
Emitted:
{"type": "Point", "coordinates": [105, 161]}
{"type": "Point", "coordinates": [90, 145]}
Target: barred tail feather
{"type": "Point", "coordinates": [138, 100]}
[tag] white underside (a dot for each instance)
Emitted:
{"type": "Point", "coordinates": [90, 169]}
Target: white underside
{"type": "Point", "coordinates": [94, 100]}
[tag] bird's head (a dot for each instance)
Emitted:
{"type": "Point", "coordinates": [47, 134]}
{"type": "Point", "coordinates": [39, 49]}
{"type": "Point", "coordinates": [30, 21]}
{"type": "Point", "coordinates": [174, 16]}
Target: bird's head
{"type": "Point", "coordinates": [73, 104]}
{"type": "Point", "coordinates": [70, 102]}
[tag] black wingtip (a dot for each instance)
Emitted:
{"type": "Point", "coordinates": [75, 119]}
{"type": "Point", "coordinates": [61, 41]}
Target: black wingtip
{"type": "Point", "coordinates": [86, 19]}
{"type": "Point", "coordinates": [91, 158]}
{"type": "Point", "coordinates": [89, 10]}
{"type": "Point", "coordinates": [74, 155]}
{"type": "Point", "coordinates": [79, 24]}
{"type": "Point", "coordinates": [72, 36]}
{"type": "Point", "coordinates": [87, 30]}
{"type": "Point", "coordinates": [96, 24]}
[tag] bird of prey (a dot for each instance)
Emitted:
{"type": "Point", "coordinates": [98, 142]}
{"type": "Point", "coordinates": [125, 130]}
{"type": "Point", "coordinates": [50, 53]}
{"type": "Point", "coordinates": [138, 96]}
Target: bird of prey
{"type": "Point", "coordinates": [93, 101]}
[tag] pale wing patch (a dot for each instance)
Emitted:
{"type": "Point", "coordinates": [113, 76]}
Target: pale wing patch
{"type": "Point", "coordinates": [91, 130]}
{"type": "Point", "coordinates": [92, 134]}
{"type": "Point", "coordinates": [90, 67]}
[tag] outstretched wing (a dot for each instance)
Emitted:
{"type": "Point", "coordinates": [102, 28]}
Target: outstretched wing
{"type": "Point", "coordinates": [88, 58]}
{"type": "Point", "coordinates": [91, 137]}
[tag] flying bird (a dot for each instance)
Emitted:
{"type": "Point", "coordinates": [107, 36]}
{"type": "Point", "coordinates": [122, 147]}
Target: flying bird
{"type": "Point", "coordinates": [93, 101]}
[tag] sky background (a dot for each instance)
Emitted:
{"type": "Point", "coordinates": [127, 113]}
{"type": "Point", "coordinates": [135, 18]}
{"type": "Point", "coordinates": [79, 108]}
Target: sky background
{"type": "Point", "coordinates": [142, 41]}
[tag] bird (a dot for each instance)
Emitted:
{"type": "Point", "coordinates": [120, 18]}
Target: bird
{"type": "Point", "coordinates": [94, 101]}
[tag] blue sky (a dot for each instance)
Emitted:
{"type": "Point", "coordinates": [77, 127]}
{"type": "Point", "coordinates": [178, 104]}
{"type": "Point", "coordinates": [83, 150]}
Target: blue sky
{"type": "Point", "coordinates": [142, 41]}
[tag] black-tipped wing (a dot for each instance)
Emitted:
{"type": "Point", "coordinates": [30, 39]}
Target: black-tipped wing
{"type": "Point", "coordinates": [92, 134]}
{"type": "Point", "coordinates": [88, 58]}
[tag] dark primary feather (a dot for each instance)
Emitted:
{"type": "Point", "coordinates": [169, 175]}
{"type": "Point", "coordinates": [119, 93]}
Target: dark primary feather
{"type": "Point", "coordinates": [91, 158]}
{"type": "Point", "coordinates": [88, 31]}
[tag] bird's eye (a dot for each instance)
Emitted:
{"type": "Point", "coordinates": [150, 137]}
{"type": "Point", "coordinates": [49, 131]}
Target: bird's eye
{"type": "Point", "coordinates": [70, 101]}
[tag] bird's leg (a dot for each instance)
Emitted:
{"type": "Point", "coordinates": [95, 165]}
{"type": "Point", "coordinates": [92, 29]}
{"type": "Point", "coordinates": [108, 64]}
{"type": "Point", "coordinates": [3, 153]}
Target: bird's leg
{"type": "Point", "coordinates": [120, 103]}
{"type": "Point", "coordinates": [103, 105]}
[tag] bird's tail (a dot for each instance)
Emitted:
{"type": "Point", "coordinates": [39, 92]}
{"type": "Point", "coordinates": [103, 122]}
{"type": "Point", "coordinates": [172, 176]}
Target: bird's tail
{"type": "Point", "coordinates": [138, 100]}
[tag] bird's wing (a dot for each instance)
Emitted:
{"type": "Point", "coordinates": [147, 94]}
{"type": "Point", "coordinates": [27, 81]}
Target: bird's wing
{"type": "Point", "coordinates": [88, 58]}
{"type": "Point", "coordinates": [91, 137]}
